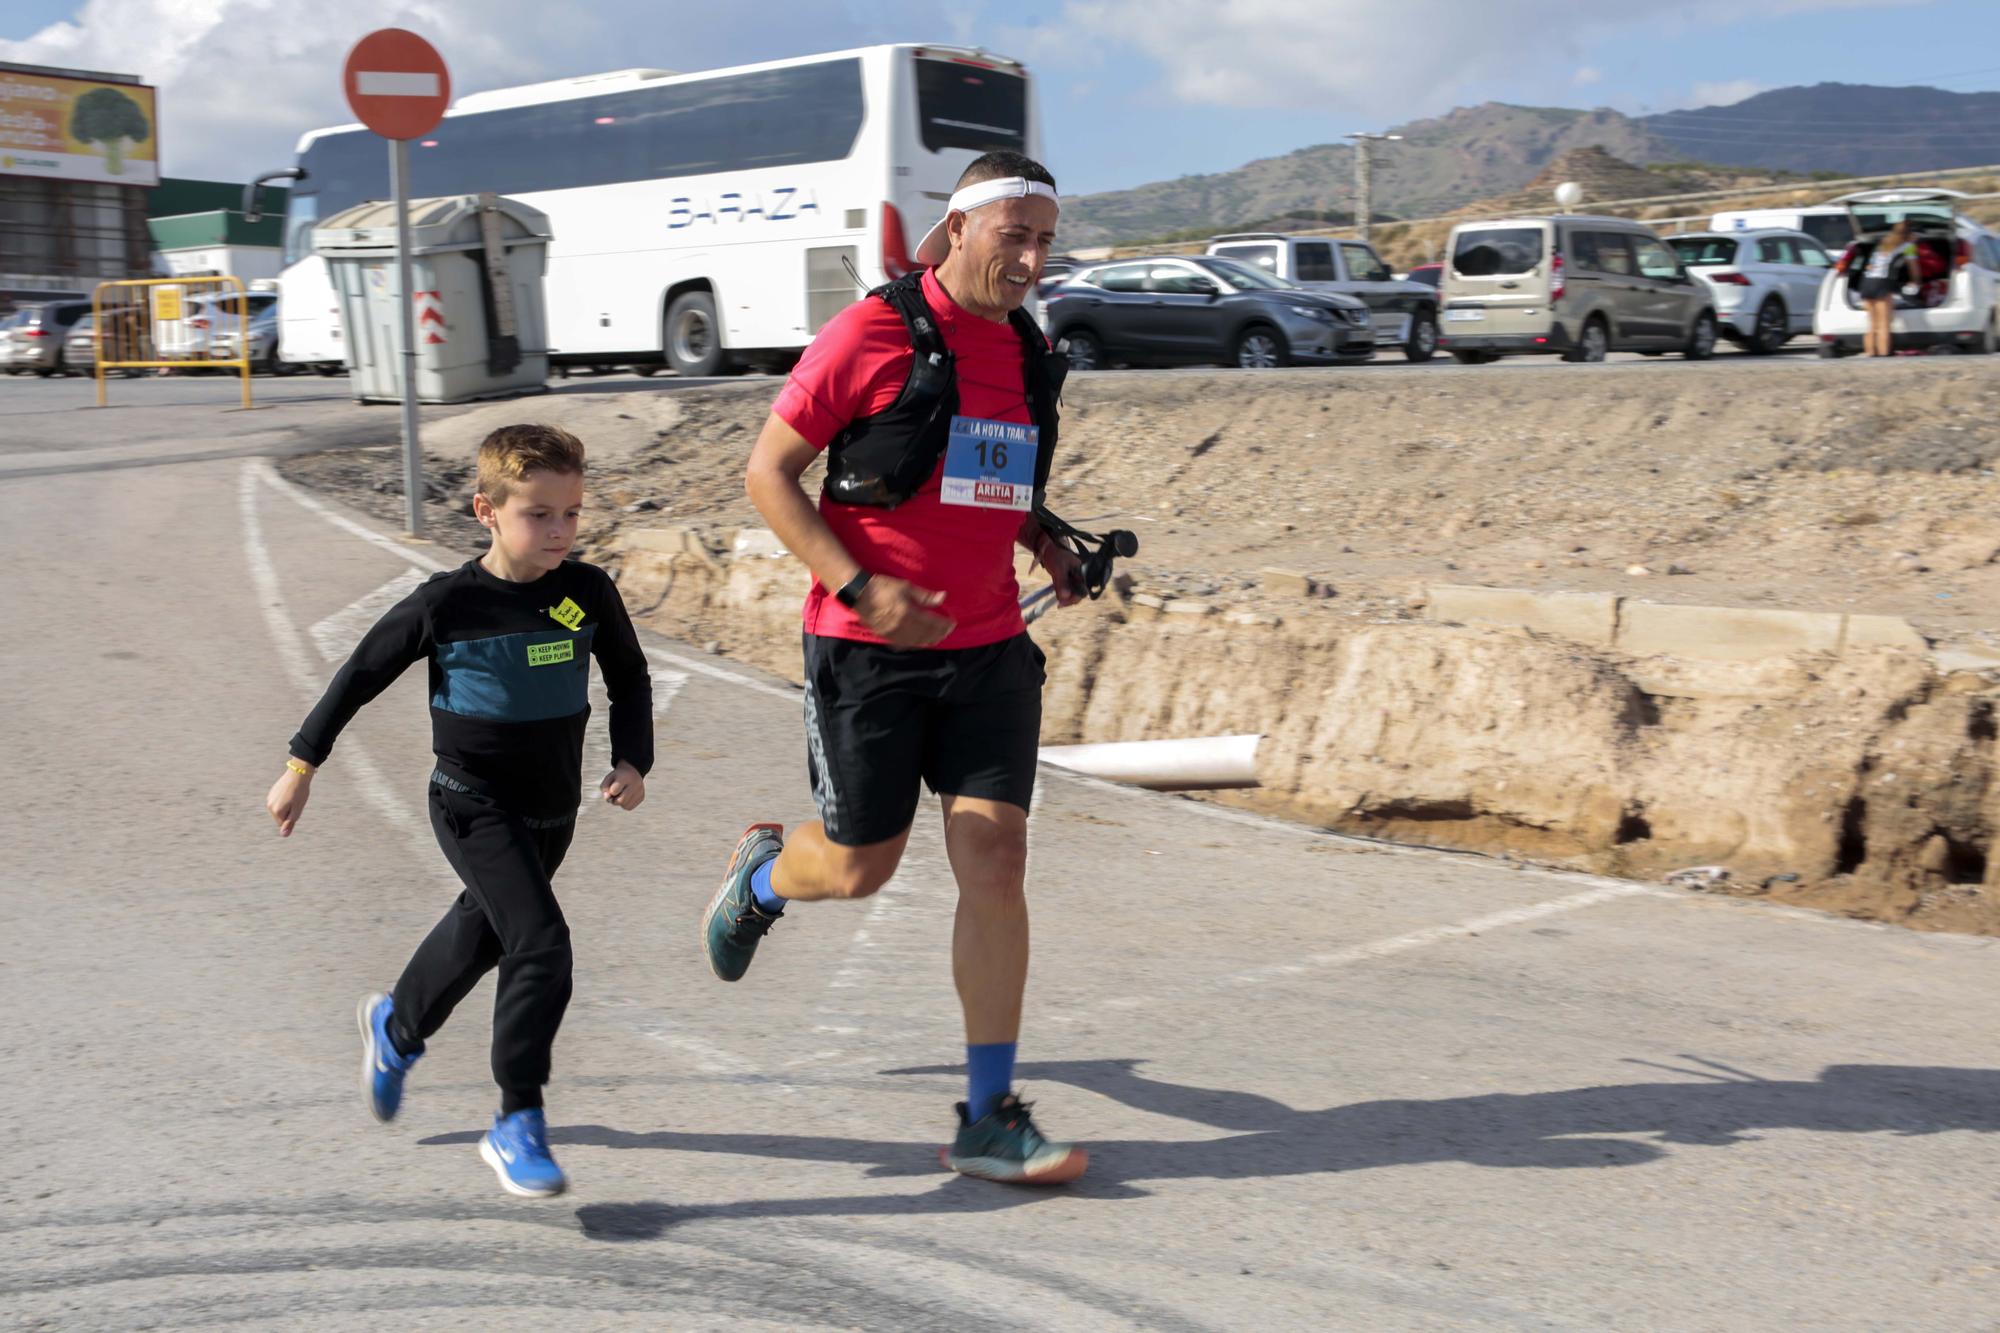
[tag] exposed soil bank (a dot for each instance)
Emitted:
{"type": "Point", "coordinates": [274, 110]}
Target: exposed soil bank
{"type": "Point", "coordinates": [1870, 775]}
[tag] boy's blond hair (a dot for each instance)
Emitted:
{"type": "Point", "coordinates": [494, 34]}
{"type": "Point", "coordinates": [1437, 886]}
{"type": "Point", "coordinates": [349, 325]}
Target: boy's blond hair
{"type": "Point", "coordinates": [509, 454]}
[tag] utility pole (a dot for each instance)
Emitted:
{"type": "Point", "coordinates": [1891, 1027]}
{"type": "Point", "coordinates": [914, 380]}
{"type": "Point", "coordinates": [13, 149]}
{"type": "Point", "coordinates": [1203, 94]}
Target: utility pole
{"type": "Point", "coordinates": [1364, 182]}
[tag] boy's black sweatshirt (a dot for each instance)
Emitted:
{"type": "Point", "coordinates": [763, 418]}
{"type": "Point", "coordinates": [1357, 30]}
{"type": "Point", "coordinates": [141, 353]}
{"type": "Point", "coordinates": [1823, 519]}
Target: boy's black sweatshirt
{"type": "Point", "coordinates": [510, 678]}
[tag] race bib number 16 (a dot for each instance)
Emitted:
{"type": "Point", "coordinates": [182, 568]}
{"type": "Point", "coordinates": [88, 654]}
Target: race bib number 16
{"type": "Point", "coordinates": [991, 464]}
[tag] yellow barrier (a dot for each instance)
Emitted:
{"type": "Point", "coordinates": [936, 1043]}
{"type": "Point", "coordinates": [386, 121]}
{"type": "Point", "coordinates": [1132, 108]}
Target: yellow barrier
{"type": "Point", "coordinates": [151, 323]}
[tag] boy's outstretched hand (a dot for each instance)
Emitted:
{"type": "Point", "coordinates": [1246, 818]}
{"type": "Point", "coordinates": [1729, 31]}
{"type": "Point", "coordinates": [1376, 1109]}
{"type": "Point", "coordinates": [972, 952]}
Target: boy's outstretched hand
{"type": "Point", "coordinates": [623, 787]}
{"type": "Point", "coordinates": [287, 800]}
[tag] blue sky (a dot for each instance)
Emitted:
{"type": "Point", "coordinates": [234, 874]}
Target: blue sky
{"type": "Point", "coordinates": [1131, 90]}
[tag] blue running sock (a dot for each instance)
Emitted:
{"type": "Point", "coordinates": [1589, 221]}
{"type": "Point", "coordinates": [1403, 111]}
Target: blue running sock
{"type": "Point", "coordinates": [989, 1076]}
{"type": "Point", "coordinates": [768, 902]}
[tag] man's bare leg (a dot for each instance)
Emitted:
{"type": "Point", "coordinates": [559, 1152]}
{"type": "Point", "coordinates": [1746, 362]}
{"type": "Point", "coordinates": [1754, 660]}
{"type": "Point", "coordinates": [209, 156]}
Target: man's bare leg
{"type": "Point", "coordinates": [813, 868]}
{"type": "Point", "coordinates": [987, 842]}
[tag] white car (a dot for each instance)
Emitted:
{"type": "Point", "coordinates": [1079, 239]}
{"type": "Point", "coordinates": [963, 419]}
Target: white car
{"type": "Point", "coordinates": [207, 329]}
{"type": "Point", "coordinates": [13, 351]}
{"type": "Point", "coordinates": [1953, 300]}
{"type": "Point", "coordinates": [1765, 282]}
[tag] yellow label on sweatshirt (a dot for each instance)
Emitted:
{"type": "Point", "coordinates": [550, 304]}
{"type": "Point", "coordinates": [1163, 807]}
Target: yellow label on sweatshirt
{"type": "Point", "coordinates": [569, 615]}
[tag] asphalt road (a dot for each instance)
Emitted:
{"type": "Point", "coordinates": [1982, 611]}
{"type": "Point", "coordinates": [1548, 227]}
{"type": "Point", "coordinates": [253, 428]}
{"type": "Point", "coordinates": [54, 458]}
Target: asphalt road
{"type": "Point", "coordinates": [1326, 1084]}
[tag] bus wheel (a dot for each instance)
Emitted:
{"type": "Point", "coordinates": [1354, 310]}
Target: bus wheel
{"type": "Point", "coordinates": [694, 339]}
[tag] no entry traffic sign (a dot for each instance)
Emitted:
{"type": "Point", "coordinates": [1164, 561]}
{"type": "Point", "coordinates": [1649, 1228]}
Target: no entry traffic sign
{"type": "Point", "coordinates": [397, 84]}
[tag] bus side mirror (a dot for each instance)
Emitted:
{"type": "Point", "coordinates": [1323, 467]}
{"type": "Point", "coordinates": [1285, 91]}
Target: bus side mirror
{"type": "Point", "coordinates": [253, 193]}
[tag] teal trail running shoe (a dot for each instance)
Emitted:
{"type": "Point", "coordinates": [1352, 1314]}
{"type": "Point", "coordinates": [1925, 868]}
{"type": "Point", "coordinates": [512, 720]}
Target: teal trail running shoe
{"type": "Point", "coordinates": [1005, 1146]}
{"type": "Point", "coordinates": [735, 925]}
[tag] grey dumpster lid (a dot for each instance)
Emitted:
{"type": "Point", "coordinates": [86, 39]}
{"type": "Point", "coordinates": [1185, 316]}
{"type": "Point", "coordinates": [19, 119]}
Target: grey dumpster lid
{"type": "Point", "coordinates": [448, 223]}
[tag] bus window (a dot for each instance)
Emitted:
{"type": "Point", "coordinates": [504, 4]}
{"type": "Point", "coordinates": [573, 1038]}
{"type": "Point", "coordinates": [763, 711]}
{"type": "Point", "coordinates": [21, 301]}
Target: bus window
{"type": "Point", "coordinates": [966, 106]}
{"type": "Point", "coordinates": [772, 118]}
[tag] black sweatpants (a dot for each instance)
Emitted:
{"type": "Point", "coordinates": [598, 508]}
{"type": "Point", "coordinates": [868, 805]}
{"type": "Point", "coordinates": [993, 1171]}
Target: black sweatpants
{"type": "Point", "coordinates": [507, 916]}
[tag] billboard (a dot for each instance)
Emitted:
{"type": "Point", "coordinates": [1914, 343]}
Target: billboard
{"type": "Point", "coordinates": [78, 129]}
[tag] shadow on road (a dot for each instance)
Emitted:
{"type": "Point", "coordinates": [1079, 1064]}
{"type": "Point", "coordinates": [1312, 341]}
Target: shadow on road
{"type": "Point", "coordinates": [1567, 1129]}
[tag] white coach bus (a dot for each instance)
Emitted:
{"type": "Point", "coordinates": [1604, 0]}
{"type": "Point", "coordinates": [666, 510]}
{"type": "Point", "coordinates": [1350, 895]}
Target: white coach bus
{"type": "Point", "coordinates": [700, 221]}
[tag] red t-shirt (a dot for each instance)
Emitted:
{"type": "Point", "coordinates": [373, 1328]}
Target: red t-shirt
{"type": "Point", "coordinates": [856, 367]}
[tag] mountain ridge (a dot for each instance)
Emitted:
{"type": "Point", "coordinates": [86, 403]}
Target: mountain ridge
{"type": "Point", "coordinates": [1470, 153]}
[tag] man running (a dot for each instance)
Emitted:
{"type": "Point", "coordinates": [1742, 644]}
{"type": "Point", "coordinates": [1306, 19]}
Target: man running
{"type": "Point", "coordinates": [935, 402]}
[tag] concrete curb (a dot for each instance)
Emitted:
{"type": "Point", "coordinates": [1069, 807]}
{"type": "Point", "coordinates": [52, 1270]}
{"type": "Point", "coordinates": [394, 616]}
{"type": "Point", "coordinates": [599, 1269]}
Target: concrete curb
{"type": "Point", "coordinates": [1649, 629]}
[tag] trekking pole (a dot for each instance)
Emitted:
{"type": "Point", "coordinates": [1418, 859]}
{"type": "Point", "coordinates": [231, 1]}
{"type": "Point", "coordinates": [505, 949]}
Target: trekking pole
{"type": "Point", "coordinates": [1096, 552]}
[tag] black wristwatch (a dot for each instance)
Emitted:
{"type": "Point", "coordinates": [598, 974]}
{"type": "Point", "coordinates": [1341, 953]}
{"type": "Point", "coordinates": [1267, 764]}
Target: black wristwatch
{"type": "Point", "coordinates": [850, 593]}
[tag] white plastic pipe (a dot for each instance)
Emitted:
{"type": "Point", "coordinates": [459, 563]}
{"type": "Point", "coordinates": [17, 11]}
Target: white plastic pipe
{"type": "Point", "coordinates": [1205, 763]}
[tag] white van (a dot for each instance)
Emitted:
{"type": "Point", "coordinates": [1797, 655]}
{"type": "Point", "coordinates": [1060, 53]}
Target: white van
{"type": "Point", "coordinates": [1829, 224]}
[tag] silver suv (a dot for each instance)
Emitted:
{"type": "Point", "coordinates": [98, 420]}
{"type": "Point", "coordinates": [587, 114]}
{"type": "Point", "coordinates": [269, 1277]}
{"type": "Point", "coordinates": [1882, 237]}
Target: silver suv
{"type": "Point", "coordinates": [39, 340]}
{"type": "Point", "coordinates": [1575, 285]}
{"type": "Point", "coordinates": [1402, 312]}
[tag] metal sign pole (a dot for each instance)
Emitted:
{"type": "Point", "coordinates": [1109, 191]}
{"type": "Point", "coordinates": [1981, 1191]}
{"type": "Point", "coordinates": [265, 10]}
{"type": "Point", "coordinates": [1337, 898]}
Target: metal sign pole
{"type": "Point", "coordinates": [413, 459]}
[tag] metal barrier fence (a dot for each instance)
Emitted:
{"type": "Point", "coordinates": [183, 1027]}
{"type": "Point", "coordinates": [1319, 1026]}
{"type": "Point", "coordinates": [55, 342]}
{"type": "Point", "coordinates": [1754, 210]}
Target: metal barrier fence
{"type": "Point", "coordinates": [171, 323]}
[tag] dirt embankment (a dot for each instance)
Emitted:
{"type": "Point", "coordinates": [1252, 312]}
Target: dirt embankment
{"type": "Point", "coordinates": [1862, 783]}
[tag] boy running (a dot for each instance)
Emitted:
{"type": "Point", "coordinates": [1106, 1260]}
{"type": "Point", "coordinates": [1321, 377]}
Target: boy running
{"type": "Point", "coordinates": [508, 637]}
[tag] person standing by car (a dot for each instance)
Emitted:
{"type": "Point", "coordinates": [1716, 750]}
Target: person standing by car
{"type": "Point", "coordinates": [1880, 282]}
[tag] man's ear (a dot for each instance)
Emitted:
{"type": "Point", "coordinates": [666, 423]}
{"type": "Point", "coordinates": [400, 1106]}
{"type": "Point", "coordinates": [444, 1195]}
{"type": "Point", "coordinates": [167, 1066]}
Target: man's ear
{"type": "Point", "coordinates": [954, 228]}
{"type": "Point", "coordinates": [483, 510]}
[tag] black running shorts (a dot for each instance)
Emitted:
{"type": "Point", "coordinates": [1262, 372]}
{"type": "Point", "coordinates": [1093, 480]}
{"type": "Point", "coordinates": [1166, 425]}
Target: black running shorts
{"type": "Point", "coordinates": [964, 721]}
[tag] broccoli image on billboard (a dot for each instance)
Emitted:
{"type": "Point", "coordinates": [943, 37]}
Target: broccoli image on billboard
{"type": "Point", "coordinates": [107, 117]}
{"type": "Point", "coordinates": [78, 129]}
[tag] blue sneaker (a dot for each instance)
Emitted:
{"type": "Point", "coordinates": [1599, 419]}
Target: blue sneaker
{"type": "Point", "coordinates": [382, 1066]}
{"type": "Point", "coordinates": [734, 925]}
{"type": "Point", "coordinates": [517, 1148]}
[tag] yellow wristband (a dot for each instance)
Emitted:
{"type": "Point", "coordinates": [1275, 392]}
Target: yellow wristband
{"type": "Point", "coordinates": [298, 768]}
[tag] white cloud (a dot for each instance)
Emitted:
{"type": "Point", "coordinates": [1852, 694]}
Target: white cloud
{"type": "Point", "coordinates": [241, 80]}
{"type": "Point", "coordinates": [1586, 75]}
{"type": "Point", "coordinates": [1725, 93]}
{"type": "Point", "coordinates": [1417, 56]}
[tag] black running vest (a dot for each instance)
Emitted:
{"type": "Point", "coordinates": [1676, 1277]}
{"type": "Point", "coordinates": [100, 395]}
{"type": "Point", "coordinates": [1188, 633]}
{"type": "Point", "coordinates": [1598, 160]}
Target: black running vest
{"type": "Point", "coordinates": [882, 460]}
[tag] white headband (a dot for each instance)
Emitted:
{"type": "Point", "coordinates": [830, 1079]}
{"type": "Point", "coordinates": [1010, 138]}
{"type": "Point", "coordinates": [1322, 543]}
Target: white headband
{"type": "Point", "coordinates": [936, 245]}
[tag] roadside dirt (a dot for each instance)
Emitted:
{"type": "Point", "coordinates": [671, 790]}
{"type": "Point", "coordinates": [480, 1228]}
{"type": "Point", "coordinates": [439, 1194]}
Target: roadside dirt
{"type": "Point", "coordinates": [1864, 784]}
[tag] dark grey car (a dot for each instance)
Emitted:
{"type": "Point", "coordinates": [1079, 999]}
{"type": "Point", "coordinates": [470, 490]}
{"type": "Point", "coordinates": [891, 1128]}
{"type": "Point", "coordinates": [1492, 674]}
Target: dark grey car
{"type": "Point", "coordinates": [1197, 309]}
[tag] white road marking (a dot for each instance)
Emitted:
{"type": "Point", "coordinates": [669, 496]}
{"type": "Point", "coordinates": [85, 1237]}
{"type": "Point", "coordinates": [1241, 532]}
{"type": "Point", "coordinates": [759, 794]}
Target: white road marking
{"type": "Point", "coordinates": [422, 559]}
{"type": "Point", "coordinates": [1418, 939]}
{"type": "Point", "coordinates": [597, 742]}
{"type": "Point", "coordinates": [298, 666]}
{"type": "Point", "coordinates": [336, 636]}
{"type": "Point", "coordinates": [1268, 824]}
{"type": "Point", "coordinates": [785, 692]}
{"type": "Point", "coordinates": [666, 685]}
{"type": "Point", "coordinates": [270, 601]}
